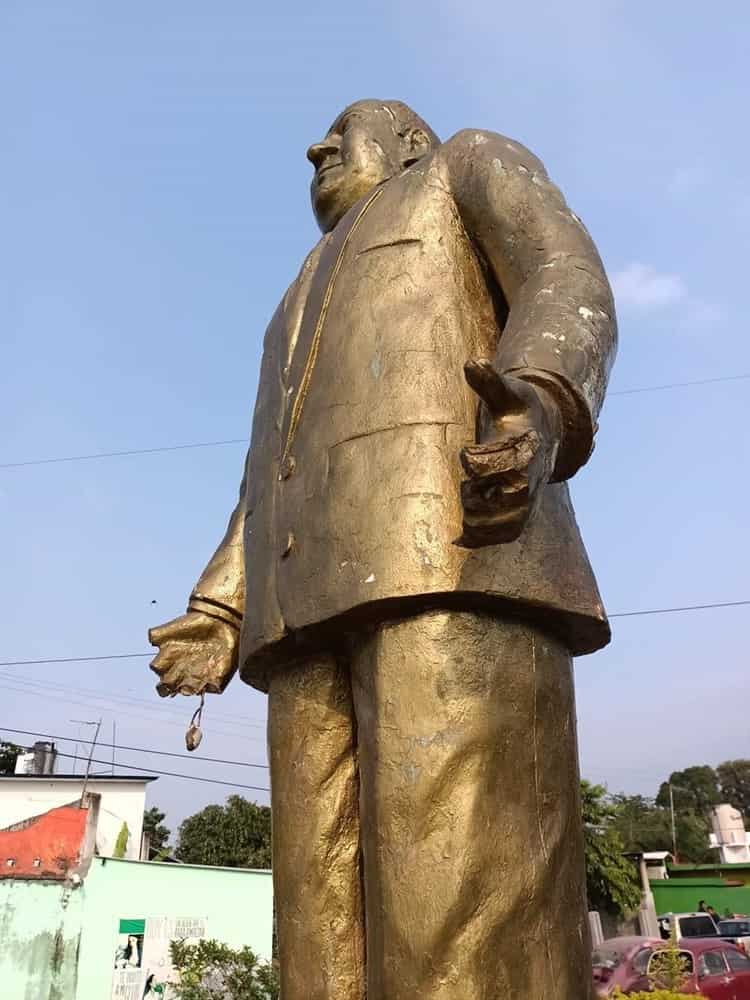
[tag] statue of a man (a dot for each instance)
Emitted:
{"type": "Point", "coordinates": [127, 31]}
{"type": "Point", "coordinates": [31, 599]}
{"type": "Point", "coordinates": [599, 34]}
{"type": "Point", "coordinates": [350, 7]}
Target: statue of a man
{"type": "Point", "coordinates": [404, 576]}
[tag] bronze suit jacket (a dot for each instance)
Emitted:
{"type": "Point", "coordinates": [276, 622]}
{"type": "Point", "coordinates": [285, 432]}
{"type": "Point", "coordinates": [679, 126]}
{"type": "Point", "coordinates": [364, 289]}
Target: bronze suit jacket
{"type": "Point", "coordinates": [349, 507]}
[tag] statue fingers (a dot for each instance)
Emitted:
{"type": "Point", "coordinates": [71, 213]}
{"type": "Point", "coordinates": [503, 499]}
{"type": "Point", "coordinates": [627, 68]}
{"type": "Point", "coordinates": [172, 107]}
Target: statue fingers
{"type": "Point", "coordinates": [495, 509]}
{"type": "Point", "coordinates": [171, 657]}
{"type": "Point", "coordinates": [187, 626]}
{"type": "Point", "coordinates": [494, 389]}
{"type": "Point", "coordinates": [178, 678]}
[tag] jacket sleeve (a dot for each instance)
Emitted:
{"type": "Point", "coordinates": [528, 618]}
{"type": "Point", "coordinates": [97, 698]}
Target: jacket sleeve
{"type": "Point", "coordinates": [220, 591]}
{"type": "Point", "coordinates": [561, 331]}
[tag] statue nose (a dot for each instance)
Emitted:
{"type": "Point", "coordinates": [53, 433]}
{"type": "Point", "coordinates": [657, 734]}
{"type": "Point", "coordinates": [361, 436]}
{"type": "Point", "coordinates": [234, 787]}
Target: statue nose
{"type": "Point", "coordinates": [319, 151]}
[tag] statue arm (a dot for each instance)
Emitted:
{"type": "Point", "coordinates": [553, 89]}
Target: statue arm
{"type": "Point", "coordinates": [198, 651]}
{"type": "Point", "coordinates": [561, 331]}
{"type": "Point", "coordinates": [220, 590]}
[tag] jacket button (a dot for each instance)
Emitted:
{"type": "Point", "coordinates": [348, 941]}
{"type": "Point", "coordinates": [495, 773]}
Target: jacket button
{"type": "Point", "coordinates": [288, 546]}
{"type": "Point", "coordinates": [287, 467]}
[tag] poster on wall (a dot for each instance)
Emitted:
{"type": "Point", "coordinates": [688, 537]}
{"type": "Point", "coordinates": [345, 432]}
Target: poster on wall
{"type": "Point", "coordinates": [142, 966]}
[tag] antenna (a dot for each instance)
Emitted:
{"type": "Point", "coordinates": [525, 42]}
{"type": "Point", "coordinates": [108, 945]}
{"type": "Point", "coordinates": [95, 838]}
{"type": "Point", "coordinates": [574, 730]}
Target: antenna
{"type": "Point", "coordinates": [114, 740]}
{"type": "Point", "coordinates": [98, 725]}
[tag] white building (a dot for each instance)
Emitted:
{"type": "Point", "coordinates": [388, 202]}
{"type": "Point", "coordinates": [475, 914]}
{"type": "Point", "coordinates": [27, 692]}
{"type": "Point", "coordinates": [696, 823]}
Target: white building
{"type": "Point", "coordinates": [122, 801]}
{"type": "Point", "coordinates": [729, 836]}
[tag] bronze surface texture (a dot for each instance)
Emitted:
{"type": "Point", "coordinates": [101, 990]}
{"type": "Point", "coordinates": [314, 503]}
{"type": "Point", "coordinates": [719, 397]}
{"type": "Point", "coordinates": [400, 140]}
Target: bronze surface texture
{"type": "Point", "coordinates": [404, 575]}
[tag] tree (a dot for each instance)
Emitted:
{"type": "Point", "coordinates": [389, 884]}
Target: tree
{"type": "Point", "coordinates": [157, 833]}
{"type": "Point", "coordinates": [121, 844]}
{"type": "Point", "coordinates": [210, 970]}
{"type": "Point", "coordinates": [696, 790]}
{"type": "Point", "coordinates": [8, 754]}
{"type": "Point", "coordinates": [644, 826]}
{"type": "Point", "coordinates": [612, 882]}
{"type": "Point", "coordinates": [734, 781]}
{"type": "Point", "coordinates": [236, 835]}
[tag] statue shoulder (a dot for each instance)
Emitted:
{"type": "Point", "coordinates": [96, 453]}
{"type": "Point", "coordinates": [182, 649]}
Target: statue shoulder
{"type": "Point", "coordinates": [477, 146]}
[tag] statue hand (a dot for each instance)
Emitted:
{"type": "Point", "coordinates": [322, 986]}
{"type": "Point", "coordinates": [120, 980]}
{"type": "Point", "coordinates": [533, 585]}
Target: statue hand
{"type": "Point", "coordinates": [514, 460]}
{"type": "Point", "coordinates": [197, 654]}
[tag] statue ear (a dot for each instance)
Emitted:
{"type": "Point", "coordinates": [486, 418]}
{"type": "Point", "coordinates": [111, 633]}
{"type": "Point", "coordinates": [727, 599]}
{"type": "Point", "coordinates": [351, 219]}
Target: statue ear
{"type": "Point", "coordinates": [418, 143]}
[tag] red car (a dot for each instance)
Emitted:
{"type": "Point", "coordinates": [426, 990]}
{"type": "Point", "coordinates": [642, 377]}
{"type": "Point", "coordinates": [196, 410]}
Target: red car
{"type": "Point", "coordinates": [622, 962]}
{"type": "Point", "coordinates": [716, 969]}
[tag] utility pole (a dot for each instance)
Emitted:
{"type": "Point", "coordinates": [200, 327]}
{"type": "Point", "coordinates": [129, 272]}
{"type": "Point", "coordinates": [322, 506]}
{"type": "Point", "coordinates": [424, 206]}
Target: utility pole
{"type": "Point", "coordinates": [674, 827]}
{"type": "Point", "coordinates": [91, 754]}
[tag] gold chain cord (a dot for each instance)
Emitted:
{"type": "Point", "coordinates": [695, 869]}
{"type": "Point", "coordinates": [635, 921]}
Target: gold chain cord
{"type": "Point", "coordinates": [312, 357]}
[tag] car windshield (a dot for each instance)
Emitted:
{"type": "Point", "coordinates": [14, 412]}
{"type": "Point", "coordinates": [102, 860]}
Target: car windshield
{"type": "Point", "coordinates": [608, 957]}
{"type": "Point", "coordinates": [734, 927]}
{"type": "Point", "coordinates": [701, 926]}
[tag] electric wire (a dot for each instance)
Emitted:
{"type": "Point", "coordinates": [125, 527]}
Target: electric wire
{"type": "Point", "coordinates": [19, 688]}
{"type": "Point", "coordinates": [160, 705]}
{"type": "Point", "coordinates": [167, 774]}
{"type": "Point", "coordinates": [231, 441]}
{"type": "Point", "coordinates": [615, 614]}
{"type": "Point", "coordinates": [148, 750]}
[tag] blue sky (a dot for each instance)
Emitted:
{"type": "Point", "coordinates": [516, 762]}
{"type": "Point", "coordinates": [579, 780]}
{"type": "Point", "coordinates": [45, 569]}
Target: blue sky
{"type": "Point", "coordinates": [154, 205]}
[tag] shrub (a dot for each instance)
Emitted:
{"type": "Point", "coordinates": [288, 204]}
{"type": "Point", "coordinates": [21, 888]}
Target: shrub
{"type": "Point", "coordinates": [668, 974]}
{"type": "Point", "coordinates": [210, 970]}
{"type": "Point", "coordinates": [657, 995]}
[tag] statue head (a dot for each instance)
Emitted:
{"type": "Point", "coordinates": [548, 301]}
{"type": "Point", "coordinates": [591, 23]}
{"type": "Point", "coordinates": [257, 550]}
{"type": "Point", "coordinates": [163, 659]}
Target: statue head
{"type": "Point", "coordinates": [368, 143]}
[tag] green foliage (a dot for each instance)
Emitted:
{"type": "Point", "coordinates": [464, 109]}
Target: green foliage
{"type": "Point", "coordinates": [210, 970]}
{"type": "Point", "coordinates": [645, 826]}
{"type": "Point", "coordinates": [656, 995]}
{"type": "Point", "coordinates": [158, 834]}
{"type": "Point", "coordinates": [121, 844]}
{"type": "Point", "coordinates": [734, 781]}
{"type": "Point", "coordinates": [612, 882]}
{"type": "Point", "coordinates": [668, 968]}
{"type": "Point", "coordinates": [668, 973]}
{"type": "Point", "coordinates": [8, 754]}
{"type": "Point", "coordinates": [696, 790]}
{"type": "Point", "coordinates": [236, 835]}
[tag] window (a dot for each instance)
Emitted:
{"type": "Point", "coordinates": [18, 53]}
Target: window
{"type": "Point", "coordinates": [700, 926]}
{"type": "Point", "coordinates": [607, 958]}
{"type": "Point", "coordinates": [712, 964]}
{"type": "Point", "coordinates": [737, 961]}
{"type": "Point", "coordinates": [734, 928]}
{"type": "Point", "coordinates": [640, 961]}
{"type": "Point", "coordinates": [658, 966]}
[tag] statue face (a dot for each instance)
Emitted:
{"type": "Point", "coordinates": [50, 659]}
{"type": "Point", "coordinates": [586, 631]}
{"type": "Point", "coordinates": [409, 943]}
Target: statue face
{"type": "Point", "coordinates": [361, 150]}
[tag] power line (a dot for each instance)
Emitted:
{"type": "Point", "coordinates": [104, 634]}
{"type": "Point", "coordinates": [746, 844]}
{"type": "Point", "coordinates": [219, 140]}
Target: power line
{"type": "Point", "coordinates": [148, 750]}
{"type": "Point", "coordinates": [169, 774]}
{"type": "Point", "coordinates": [669, 611]}
{"type": "Point", "coordinates": [74, 659]}
{"type": "Point", "coordinates": [163, 706]}
{"type": "Point", "coordinates": [615, 614]}
{"type": "Point", "coordinates": [229, 441]}
{"type": "Point", "coordinates": [676, 385]}
{"type": "Point", "coordinates": [39, 692]}
{"type": "Point", "coordinates": [122, 454]}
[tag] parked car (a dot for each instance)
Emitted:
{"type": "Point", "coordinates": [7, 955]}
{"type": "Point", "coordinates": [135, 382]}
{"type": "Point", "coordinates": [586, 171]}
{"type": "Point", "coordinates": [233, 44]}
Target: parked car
{"type": "Point", "coordinates": [622, 962]}
{"type": "Point", "coordinates": [736, 930]}
{"type": "Point", "coordinates": [715, 968]}
{"type": "Point", "coordinates": [688, 925]}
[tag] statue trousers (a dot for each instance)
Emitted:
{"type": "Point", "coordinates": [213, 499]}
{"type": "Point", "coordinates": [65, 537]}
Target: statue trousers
{"type": "Point", "coordinates": [427, 838]}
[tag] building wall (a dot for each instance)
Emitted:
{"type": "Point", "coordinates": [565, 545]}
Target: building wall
{"type": "Point", "coordinates": [729, 873]}
{"type": "Point", "coordinates": [236, 904]}
{"type": "Point", "coordinates": [683, 895]}
{"type": "Point", "coordinates": [59, 942]}
{"type": "Point", "coordinates": [40, 927]}
{"type": "Point", "coordinates": [120, 802]}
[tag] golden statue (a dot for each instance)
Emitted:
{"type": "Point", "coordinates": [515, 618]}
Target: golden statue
{"type": "Point", "coordinates": [404, 576]}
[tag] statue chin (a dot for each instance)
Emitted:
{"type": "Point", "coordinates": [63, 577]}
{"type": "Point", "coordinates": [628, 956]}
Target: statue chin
{"type": "Point", "coordinates": [330, 207]}
{"type": "Point", "coordinates": [333, 197]}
